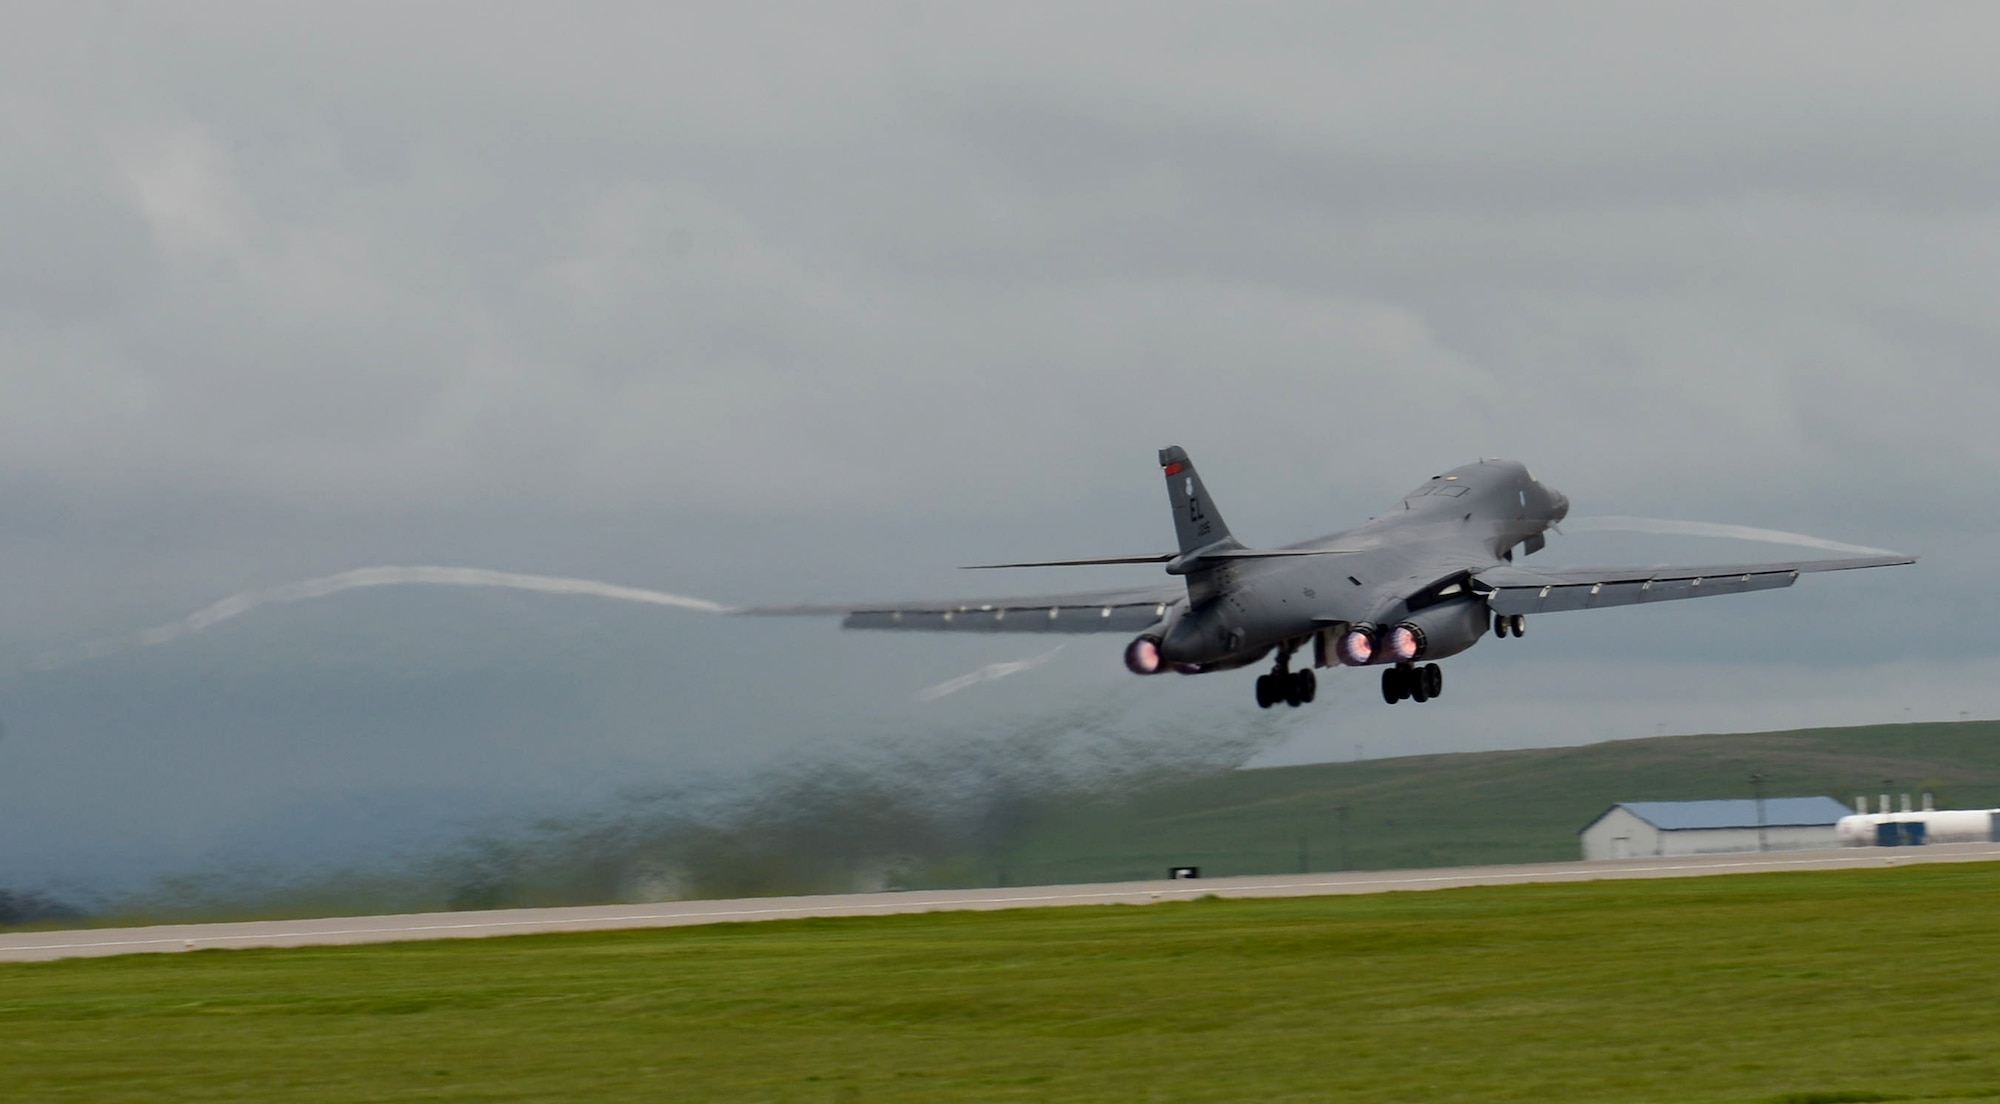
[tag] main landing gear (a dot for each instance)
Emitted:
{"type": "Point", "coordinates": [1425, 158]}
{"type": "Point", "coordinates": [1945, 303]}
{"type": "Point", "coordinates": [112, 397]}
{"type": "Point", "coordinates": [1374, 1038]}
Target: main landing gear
{"type": "Point", "coordinates": [1506, 624]}
{"type": "Point", "coordinates": [1294, 688]}
{"type": "Point", "coordinates": [1406, 680]}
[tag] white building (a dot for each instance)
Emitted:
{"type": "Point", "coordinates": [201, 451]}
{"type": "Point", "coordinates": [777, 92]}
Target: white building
{"type": "Point", "coordinates": [1643, 829]}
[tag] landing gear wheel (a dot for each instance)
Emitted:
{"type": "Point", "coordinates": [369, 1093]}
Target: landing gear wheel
{"type": "Point", "coordinates": [1308, 686]}
{"type": "Point", "coordinates": [1420, 688]}
{"type": "Point", "coordinates": [1500, 625]}
{"type": "Point", "coordinates": [1433, 680]}
{"type": "Point", "coordinates": [1265, 699]}
{"type": "Point", "coordinates": [1288, 685]}
{"type": "Point", "coordinates": [1392, 690]}
{"type": "Point", "coordinates": [1519, 624]}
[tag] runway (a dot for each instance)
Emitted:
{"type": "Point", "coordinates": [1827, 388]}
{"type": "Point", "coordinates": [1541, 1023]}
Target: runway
{"type": "Point", "coordinates": [98, 942]}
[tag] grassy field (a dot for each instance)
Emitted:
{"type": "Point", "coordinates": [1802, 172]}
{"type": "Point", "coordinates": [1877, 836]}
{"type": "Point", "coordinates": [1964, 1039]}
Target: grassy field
{"type": "Point", "coordinates": [1801, 988]}
{"type": "Point", "coordinates": [1469, 809]}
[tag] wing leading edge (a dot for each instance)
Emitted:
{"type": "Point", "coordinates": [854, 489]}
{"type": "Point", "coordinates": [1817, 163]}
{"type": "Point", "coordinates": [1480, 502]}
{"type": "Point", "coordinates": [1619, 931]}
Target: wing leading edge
{"type": "Point", "coordinates": [1527, 590]}
{"type": "Point", "coordinates": [1092, 611]}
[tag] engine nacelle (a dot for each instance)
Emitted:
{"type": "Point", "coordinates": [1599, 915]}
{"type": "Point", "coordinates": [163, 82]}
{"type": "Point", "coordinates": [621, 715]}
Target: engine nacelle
{"type": "Point", "coordinates": [1357, 646]}
{"type": "Point", "coordinates": [1434, 632]}
{"type": "Point", "coordinates": [1142, 656]}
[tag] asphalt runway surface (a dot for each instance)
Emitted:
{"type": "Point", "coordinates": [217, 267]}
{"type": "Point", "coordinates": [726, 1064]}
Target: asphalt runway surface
{"type": "Point", "coordinates": [97, 942]}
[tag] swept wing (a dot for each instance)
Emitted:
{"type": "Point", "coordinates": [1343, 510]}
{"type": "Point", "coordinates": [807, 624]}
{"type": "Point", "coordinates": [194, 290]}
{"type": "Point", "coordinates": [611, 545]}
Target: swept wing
{"type": "Point", "coordinates": [1526, 590]}
{"type": "Point", "coordinates": [1090, 611]}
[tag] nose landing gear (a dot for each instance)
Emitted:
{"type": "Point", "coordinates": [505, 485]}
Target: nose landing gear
{"type": "Point", "coordinates": [1407, 680]}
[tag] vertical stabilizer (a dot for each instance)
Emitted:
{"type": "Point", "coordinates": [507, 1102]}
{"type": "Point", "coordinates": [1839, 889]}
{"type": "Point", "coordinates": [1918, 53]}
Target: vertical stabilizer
{"type": "Point", "coordinates": [1197, 523]}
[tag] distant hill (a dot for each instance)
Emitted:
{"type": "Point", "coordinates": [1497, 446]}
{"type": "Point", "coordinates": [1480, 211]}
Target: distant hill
{"type": "Point", "coordinates": [819, 832]}
{"type": "Point", "coordinates": [1467, 809]}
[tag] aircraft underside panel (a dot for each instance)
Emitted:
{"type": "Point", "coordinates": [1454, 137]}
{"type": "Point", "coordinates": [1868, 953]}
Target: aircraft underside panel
{"type": "Point", "coordinates": [1560, 598]}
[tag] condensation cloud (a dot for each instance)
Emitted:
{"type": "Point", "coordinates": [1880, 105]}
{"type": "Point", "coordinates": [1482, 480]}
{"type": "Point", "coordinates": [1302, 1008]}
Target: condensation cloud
{"type": "Point", "coordinates": [236, 605]}
{"type": "Point", "coordinates": [988, 673]}
{"type": "Point", "coordinates": [1670, 527]}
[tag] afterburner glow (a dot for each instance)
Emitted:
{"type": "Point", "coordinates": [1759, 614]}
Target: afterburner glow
{"type": "Point", "coordinates": [1142, 656]}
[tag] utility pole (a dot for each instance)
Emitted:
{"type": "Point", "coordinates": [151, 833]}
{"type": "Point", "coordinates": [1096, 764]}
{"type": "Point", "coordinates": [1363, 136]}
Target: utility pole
{"type": "Point", "coordinates": [1757, 780]}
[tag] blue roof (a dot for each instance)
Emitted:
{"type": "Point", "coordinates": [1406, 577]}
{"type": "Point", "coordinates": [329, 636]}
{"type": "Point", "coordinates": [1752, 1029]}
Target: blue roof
{"type": "Point", "coordinates": [1735, 812]}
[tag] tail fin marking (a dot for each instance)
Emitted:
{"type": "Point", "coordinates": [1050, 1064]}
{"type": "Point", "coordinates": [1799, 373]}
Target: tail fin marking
{"type": "Point", "coordinates": [1198, 525]}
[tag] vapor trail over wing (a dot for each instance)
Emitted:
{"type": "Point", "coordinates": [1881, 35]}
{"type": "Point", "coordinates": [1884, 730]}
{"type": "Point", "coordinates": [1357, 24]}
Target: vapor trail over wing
{"type": "Point", "coordinates": [236, 605]}
{"type": "Point", "coordinates": [988, 673]}
{"type": "Point", "coordinates": [1671, 527]}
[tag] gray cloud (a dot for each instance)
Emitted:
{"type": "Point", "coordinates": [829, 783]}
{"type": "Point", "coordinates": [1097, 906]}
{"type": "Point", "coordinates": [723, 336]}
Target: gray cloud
{"type": "Point", "coordinates": [578, 252]}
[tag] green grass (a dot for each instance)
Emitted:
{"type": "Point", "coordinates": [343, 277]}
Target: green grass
{"type": "Point", "coordinates": [1848, 986]}
{"type": "Point", "coordinates": [1471, 809]}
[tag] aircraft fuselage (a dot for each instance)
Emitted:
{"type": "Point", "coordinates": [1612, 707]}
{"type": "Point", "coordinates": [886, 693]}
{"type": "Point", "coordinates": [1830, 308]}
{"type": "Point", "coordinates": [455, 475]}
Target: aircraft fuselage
{"type": "Point", "coordinates": [1411, 565]}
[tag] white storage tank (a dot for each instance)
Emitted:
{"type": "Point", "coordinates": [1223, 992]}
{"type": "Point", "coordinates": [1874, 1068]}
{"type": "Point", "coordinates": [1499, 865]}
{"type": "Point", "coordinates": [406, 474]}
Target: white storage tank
{"type": "Point", "coordinates": [1910, 829]}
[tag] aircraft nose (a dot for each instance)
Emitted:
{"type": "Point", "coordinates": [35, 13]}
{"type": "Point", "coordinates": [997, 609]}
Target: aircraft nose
{"type": "Point", "coordinates": [1558, 504]}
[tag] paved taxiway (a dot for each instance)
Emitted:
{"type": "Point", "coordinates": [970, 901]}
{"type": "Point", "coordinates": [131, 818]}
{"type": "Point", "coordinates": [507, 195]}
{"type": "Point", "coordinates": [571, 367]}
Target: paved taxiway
{"type": "Point", "coordinates": [38, 946]}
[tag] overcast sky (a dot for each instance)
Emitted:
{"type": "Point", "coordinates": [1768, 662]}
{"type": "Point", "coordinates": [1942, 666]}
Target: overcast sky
{"type": "Point", "coordinates": [769, 302]}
